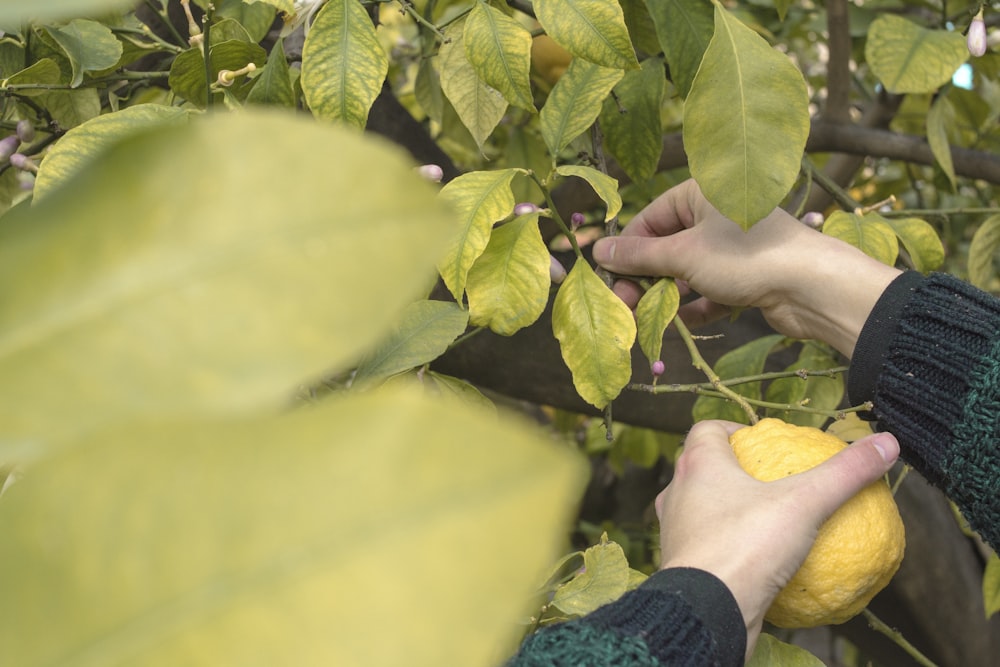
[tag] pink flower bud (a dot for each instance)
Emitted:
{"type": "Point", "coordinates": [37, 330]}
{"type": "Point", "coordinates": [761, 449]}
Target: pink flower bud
{"type": "Point", "coordinates": [23, 162]}
{"type": "Point", "coordinates": [26, 131]}
{"type": "Point", "coordinates": [658, 368]}
{"type": "Point", "coordinates": [813, 219]}
{"type": "Point", "coordinates": [976, 37]}
{"type": "Point", "coordinates": [431, 172]}
{"type": "Point", "coordinates": [8, 146]}
{"type": "Point", "coordinates": [577, 219]}
{"type": "Point", "coordinates": [557, 273]}
{"type": "Point", "coordinates": [525, 208]}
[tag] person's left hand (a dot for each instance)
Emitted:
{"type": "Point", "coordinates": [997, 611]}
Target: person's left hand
{"type": "Point", "coordinates": [754, 535]}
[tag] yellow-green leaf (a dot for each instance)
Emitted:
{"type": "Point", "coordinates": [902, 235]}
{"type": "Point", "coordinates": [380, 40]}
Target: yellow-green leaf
{"type": "Point", "coordinates": [82, 145]}
{"type": "Point", "coordinates": [605, 186]}
{"type": "Point", "coordinates": [46, 71]}
{"type": "Point", "coordinates": [908, 58]}
{"type": "Point", "coordinates": [772, 652]}
{"type": "Point", "coordinates": [16, 13]}
{"type": "Point", "coordinates": [982, 249]}
{"type": "Point", "coordinates": [655, 311]}
{"type": "Point", "coordinates": [630, 122]}
{"type": "Point", "coordinates": [575, 102]}
{"type": "Point", "coordinates": [921, 242]}
{"type": "Point", "coordinates": [274, 84]}
{"type": "Point", "coordinates": [245, 541]}
{"type": "Point", "coordinates": [684, 29]}
{"type": "Point", "coordinates": [478, 105]}
{"type": "Point", "coordinates": [991, 585]}
{"type": "Point", "coordinates": [508, 286]}
{"type": "Point", "coordinates": [596, 331]}
{"type": "Point", "coordinates": [940, 116]}
{"type": "Point", "coordinates": [479, 199]}
{"type": "Point", "coordinates": [744, 95]}
{"type": "Point", "coordinates": [286, 6]}
{"type": "Point", "coordinates": [604, 578]}
{"type": "Point", "coordinates": [459, 390]}
{"type": "Point", "coordinates": [746, 360]}
{"type": "Point", "coordinates": [422, 333]}
{"type": "Point", "coordinates": [89, 45]}
{"type": "Point", "coordinates": [814, 391]}
{"type": "Point", "coordinates": [230, 286]}
{"type": "Point", "coordinates": [187, 73]}
{"type": "Point", "coordinates": [343, 63]}
{"type": "Point", "coordinates": [499, 48]}
{"type": "Point", "coordinates": [591, 29]}
{"type": "Point", "coordinates": [870, 233]}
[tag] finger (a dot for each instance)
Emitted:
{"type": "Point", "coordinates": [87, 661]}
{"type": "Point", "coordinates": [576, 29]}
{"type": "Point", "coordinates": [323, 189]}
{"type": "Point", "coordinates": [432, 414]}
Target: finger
{"type": "Point", "coordinates": [833, 482]}
{"type": "Point", "coordinates": [669, 213]}
{"type": "Point", "coordinates": [628, 291]}
{"type": "Point", "coordinates": [639, 256]}
{"type": "Point", "coordinates": [702, 311]}
{"type": "Point", "coordinates": [708, 439]}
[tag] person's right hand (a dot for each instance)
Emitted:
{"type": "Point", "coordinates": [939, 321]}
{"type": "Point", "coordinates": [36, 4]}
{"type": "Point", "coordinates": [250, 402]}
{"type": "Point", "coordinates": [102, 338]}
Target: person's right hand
{"type": "Point", "coordinates": [807, 284]}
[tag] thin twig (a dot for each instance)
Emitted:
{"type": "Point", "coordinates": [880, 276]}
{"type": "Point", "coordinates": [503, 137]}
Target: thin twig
{"type": "Point", "coordinates": [838, 193]}
{"type": "Point", "coordinates": [554, 214]}
{"type": "Point", "coordinates": [745, 379]}
{"type": "Point", "coordinates": [880, 626]}
{"type": "Point", "coordinates": [699, 362]}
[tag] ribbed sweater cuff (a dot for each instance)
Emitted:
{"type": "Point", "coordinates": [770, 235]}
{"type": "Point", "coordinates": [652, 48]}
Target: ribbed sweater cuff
{"type": "Point", "coordinates": [708, 598]}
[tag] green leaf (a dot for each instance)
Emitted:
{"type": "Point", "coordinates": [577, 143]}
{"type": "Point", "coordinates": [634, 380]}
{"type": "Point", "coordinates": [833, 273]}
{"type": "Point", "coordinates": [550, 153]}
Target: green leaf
{"type": "Point", "coordinates": [641, 446]}
{"type": "Point", "coordinates": [70, 108]}
{"type": "Point", "coordinates": [870, 233]}
{"type": "Point", "coordinates": [746, 360]}
{"type": "Point", "coordinates": [422, 333]}
{"type": "Point", "coordinates": [245, 541]}
{"type": "Point", "coordinates": [655, 311]}
{"type": "Point", "coordinates": [458, 390]}
{"type": "Point", "coordinates": [604, 578]}
{"type": "Point", "coordinates": [772, 652]}
{"type": "Point", "coordinates": [744, 95]}
{"type": "Point", "coordinates": [480, 199]}
{"type": "Point", "coordinates": [15, 12]}
{"type": "Point", "coordinates": [284, 6]}
{"type": "Point", "coordinates": [921, 242]}
{"type": "Point", "coordinates": [605, 186]}
{"type": "Point", "coordinates": [274, 84]}
{"type": "Point", "coordinates": [45, 72]}
{"type": "Point", "coordinates": [343, 63]}
{"type": "Point", "coordinates": [631, 122]}
{"type": "Point", "coordinates": [427, 89]}
{"type": "Point", "coordinates": [89, 46]}
{"type": "Point", "coordinates": [991, 585]}
{"type": "Point", "coordinates": [982, 249]}
{"type": "Point", "coordinates": [499, 48]}
{"type": "Point", "coordinates": [79, 148]}
{"type": "Point", "coordinates": [823, 393]}
{"type": "Point", "coordinates": [940, 116]}
{"type": "Point", "coordinates": [596, 331]}
{"type": "Point", "coordinates": [591, 29]}
{"type": "Point", "coordinates": [575, 102]}
{"type": "Point", "coordinates": [187, 73]}
{"type": "Point", "coordinates": [255, 17]}
{"type": "Point", "coordinates": [908, 58]}
{"type": "Point", "coordinates": [684, 28]}
{"type": "Point", "coordinates": [508, 285]}
{"type": "Point", "coordinates": [640, 25]}
{"type": "Point", "coordinates": [479, 106]}
{"type": "Point", "coordinates": [231, 286]}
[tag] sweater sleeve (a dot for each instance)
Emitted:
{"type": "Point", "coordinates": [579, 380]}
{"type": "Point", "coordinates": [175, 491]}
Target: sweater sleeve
{"type": "Point", "coordinates": [928, 359]}
{"type": "Point", "coordinates": [680, 617]}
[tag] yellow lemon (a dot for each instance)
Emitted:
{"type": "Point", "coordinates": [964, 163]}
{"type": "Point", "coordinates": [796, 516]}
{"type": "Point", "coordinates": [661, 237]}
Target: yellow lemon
{"type": "Point", "coordinates": [858, 549]}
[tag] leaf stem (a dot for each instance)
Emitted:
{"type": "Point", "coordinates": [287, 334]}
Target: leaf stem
{"type": "Point", "coordinates": [466, 336]}
{"type": "Point", "coordinates": [161, 10]}
{"type": "Point", "coordinates": [567, 232]}
{"type": "Point", "coordinates": [114, 78]}
{"type": "Point", "coordinates": [206, 53]}
{"type": "Point", "coordinates": [845, 200]}
{"type": "Point", "coordinates": [699, 362]}
{"type": "Point", "coordinates": [878, 625]}
{"type": "Point", "coordinates": [408, 7]}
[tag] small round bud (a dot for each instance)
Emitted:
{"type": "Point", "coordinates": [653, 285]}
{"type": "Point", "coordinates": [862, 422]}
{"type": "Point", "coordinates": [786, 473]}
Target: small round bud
{"type": "Point", "coordinates": [577, 219]}
{"type": "Point", "coordinates": [8, 146]}
{"type": "Point", "coordinates": [23, 162]}
{"type": "Point", "coordinates": [658, 367]}
{"type": "Point", "coordinates": [25, 131]}
{"type": "Point", "coordinates": [431, 172]}
{"type": "Point", "coordinates": [975, 39]}
{"type": "Point", "coordinates": [525, 208]}
{"type": "Point", "coordinates": [557, 273]}
{"type": "Point", "coordinates": [813, 219]}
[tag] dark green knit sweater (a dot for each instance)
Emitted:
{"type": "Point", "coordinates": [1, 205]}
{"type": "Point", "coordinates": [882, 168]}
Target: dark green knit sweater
{"type": "Point", "coordinates": [929, 361]}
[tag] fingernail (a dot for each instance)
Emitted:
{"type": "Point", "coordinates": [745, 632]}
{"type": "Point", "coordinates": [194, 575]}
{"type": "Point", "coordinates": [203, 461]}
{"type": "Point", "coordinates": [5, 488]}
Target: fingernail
{"type": "Point", "coordinates": [887, 446]}
{"type": "Point", "coordinates": [604, 250]}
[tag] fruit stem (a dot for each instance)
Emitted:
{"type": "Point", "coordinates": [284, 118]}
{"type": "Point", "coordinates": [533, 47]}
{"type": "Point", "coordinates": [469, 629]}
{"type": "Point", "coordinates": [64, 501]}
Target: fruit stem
{"type": "Point", "coordinates": [876, 624]}
{"type": "Point", "coordinates": [699, 362]}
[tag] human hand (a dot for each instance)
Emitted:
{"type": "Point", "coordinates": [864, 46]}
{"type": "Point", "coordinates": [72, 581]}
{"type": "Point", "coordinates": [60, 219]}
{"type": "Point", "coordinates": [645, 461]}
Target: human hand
{"type": "Point", "coordinates": [754, 535]}
{"type": "Point", "coordinates": [807, 284]}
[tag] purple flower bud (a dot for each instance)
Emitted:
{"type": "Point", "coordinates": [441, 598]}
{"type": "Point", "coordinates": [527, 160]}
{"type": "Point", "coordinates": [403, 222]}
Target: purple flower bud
{"type": "Point", "coordinates": [23, 162]}
{"type": "Point", "coordinates": [658, 368]}
{"type": "Point", "coordinates": [976, 37]}
{"type": "Point", "coordinates": [431, 172]}
{"type": "Point", "coordinates": [26, 131]}
{"type": "Point", "coordinates": [8, 146]}
{"type": "Point", "coordinates": [577, 219]}
{"type": "Point", "coordinates": [813, 219]}
{"type": "Point", "coordinates": [524, 208]}
{"type": "Point", "coordinates": [557, 273]}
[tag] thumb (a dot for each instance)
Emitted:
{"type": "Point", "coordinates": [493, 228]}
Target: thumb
{"type": "Point", "coordinates": [833, 482]}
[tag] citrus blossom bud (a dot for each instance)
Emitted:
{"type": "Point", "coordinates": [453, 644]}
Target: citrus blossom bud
{"type": "Point", "coordinates": [976, 37]}
{"type": "Point", "coordinates": [658, 368]}
{"type": "Point", "coordinates": [577, 219]}
{"type": "Point", "coordinates": [25, 131]}
{"type": "Point", "coordinates": [557, 273]}
{"type": "Point", "coordinates": [431, 172]}
{"type": "Point", "coordinates": [23, 162]}
{"type": "Point", "coordinates": [8, 146]}
{"type": "Point", "coordinates": [813, 219]}
{"type": "Point", "coordinates": [524, 208]}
